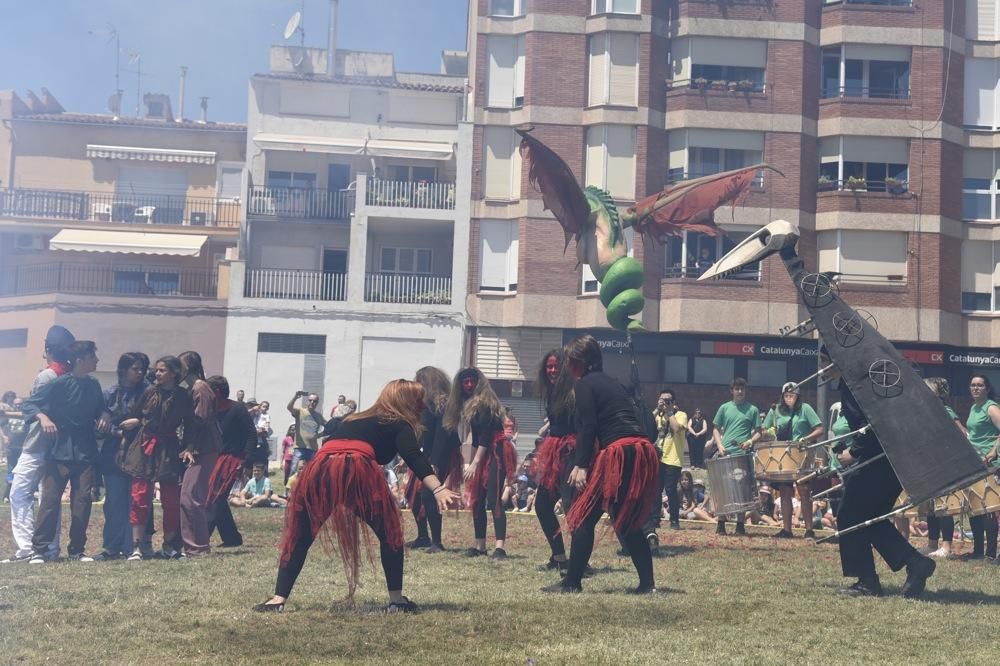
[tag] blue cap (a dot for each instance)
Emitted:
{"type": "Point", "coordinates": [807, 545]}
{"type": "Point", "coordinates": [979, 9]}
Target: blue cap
{"type": "Point", "coordinates": [59, 337]}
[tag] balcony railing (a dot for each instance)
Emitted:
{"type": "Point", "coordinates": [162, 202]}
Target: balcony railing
{"type": "Point", "coordinates": [674, 177]}
{"type": "Point", "coordinates": [398, 288]}
{"type": "Point", "coordinates": [295, 285]}
{"type": "Point", "coordinates": [411, 194]}
{"type": "Point", "coordinates": [119, 208]}
{"type": "Point", "coordinates": [864, 92]}
{"type": "Point", "coordinates": [876, 3]}
{"type": "Point", "coordinates": [861, 185]}
{"type": "Point", "coordinates": [118, 280]}
{"type": "Point", "coordinates": [301, 203]}
{"type": "Point", "coordinates": [695, 271]}
{"type": "Point", "coordinates": [742, 86]}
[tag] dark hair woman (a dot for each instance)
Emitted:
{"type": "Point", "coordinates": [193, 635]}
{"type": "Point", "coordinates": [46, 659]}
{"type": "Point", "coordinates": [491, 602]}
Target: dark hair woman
{"type": "Point", "coordinates": [206, 440]}
{"type": "Point", "coordinates": [475, 413]}
{"type": "Point", "coordinates": [152, 453]}
{"type": "Point", "coordinates": [239, 439]}
{"type": "Point", "coordinates": [344, 485]}
{"type": "Point", "coordinates": [983, 425]}
{"type": "Point", "coordinates": [436, 385]}
{"type": "Point", "coordinates": [623, 477]}
{"type": "Point", "coordinates": [555, 454]}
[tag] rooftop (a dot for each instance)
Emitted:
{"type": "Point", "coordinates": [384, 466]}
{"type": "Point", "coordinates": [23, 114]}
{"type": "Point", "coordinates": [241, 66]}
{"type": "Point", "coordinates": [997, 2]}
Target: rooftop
{"type": "Point", "coordinates": [106, 119]}
{"type": "Point", "coordinates": [402, 81]}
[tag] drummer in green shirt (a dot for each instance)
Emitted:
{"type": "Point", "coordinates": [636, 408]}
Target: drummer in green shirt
{"type": "Point", "coordinates": [984, 428]}
{"type": "Point", "coordinates": [734, 433]}
{"type": "Point", "coordinates": [795, 421]}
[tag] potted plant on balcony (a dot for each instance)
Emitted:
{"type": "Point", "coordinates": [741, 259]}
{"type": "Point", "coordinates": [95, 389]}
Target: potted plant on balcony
{"type": "Point", "coordinates": [701, 83]}
{"type": "Point", "coordinates": [719, 84]}
{"type": "Point", "coordinates": [733, 86]}
{"type": "Point", "coordinates": [746, 85]}
{"type": "Point", "coordinates": [855, 183]}
{"type": "Point", "coordinates": [824, 184]}
{"type": "Point", "coordinates": [895, 185]}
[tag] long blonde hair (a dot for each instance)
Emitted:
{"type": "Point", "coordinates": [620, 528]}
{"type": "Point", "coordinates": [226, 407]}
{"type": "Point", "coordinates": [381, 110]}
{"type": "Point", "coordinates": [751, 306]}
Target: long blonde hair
{"type": "Point", "coordinates": [436, 387]}
{"type": "Point", "coordinates": [400, 400]}
{"type": "Point", "coordinates": [483, 399]}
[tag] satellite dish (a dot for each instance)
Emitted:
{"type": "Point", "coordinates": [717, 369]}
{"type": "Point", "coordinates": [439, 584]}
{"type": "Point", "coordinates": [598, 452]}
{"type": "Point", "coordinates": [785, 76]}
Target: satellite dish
{"type": "Point", "coordinates": [294, 24]}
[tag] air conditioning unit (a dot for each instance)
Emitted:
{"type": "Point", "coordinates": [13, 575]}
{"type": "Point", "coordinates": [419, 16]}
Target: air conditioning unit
{"type": "Point", "coordinates": [199, 219]}
{"type": "Point", "coordinates": [29, 242]}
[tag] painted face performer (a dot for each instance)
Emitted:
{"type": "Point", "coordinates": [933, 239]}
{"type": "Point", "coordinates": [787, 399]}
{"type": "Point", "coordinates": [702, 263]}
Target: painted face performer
{"type": "Point", "coordinates": [344, 485]}
{"type": "Point", "coordinates": [555, 454]}
{"type": "Point", "coordinates": [425, 511]}
{"type": "Point", "coordinates": [620, 481]}
{"type": "Point", "coordinates": [475, 412]}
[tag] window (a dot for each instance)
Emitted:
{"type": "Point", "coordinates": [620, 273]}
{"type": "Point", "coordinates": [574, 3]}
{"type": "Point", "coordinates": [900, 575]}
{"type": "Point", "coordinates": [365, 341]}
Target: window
{"type": "Point", "coordinates": [864, 163]}
{"type": "Point", "coordinates": [767, 373]}
{"type": "Point", "coordinates": [138, 281]}
{"type": "Point", "coordinates": [866, 70]}
{"type": "Point", "coordinates": [506, 7]}
{"type": "Point", "coordinates": [708, 161]}
{"type": "Point", "coordinates": [980, 186]}
{"type": "Point", "coordinates": [414, 174]}
{"type": "Point", "coordinates": [980, 278]}
{"type": "Point", "coordinates": [711, 370]}
{"type": "Point", "coordinates": [675, 369]}
{"type": "Point", "coordinates": [498, 256]}
{"type": "Point", "coordinates": [981, 20]}
{"type": "Point", "coordinates": [750, 78]}
{"type": "Point", "coordinates": [13, 338]}
{"type": "Point", "coordinates": [614, 69]}
{"type": "Point", "coordinates": [589, 283]}
{"type": "Point", "coordinates": [502, 175]}
{"type": "Point", "coordinates": [405, 260]}
{"type": "Point", "coordinates": [614, 7]}
{"type": "Point", "coordinates": [291, 179]}
{"type": "Point", "coordinates": [981, 91]}
{"type": "Point", "coordinates": [230, 181]}
{"type": "Point", "coordinates": [692, 253]}
{"type": "Point", "coordinates": [733, 60]}
{"type": "Point", "coordinates": [506, 73]}
{"type": "Point", "coordinates": [290, 343]}
{"type": "Point", "coordinates": [700, 152]}
{"type": "Point", "coordinates": [611, 159]}
{"type": "Point", "coordinates": [874, 257]}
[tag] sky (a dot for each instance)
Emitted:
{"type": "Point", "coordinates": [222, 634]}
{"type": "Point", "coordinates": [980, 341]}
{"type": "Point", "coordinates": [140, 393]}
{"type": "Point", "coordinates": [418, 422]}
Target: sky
{"type": "Point", "coordinates": [67, 45]}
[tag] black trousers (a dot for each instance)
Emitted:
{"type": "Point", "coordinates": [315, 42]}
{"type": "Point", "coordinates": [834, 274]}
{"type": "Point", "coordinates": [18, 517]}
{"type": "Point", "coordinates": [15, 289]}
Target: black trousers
{"type": "Point", "coordinates": [868, 493]}
{"type": "Point", "coordinates": [432, 516]}
{"type": "Point", "coordinates": [545, 508]}
{"type": "Point", "coordinates": [490, 501]}
{"type": "Point", "coordinates": [696, 449]}
{"type": "Point", "coordinates": [392, 559]}
{"type": "Point", "coordinates": [984, 534]}
{"type": "Point", "coordinates": [220, 517]}
{"type": "Point", "coordinates": [417, 510]}
{"type": "Point", "coordinates": [940, 527]}
{"type": "Point", "coordinates": [634, 541]}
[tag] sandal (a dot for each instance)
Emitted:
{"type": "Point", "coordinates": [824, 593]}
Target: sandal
{"type": "Point", "coordinates": [269, 608]}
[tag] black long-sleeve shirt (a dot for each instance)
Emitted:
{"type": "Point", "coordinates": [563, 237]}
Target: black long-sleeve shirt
{"type": "Point", "coordinates": [388, 438]}
{"type": "Point", "coordinates": [73, 404]}
{"type": "Point", "coordinates": [604, 414]}
{"type": "Point", "coordinates": [485, 427]}
{"type": "Point", "coordinates": [239, 434]}
{"type": "Point", "coordinates": [445, 443]}
{"type": "Point", "coordinates": [560, 425]}
{"type": "Point", "coordinates": [430, 421]}
{"type": "Point", "coordinates": [866, 446]}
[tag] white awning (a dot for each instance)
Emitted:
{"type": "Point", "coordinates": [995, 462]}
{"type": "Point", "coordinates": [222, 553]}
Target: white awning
{"type": "Point", "coordinates": [128, 242]}
{"type": "Point", "coordinates": [427, 150]}
{"type": "Point", "coordinates": [151, 154]}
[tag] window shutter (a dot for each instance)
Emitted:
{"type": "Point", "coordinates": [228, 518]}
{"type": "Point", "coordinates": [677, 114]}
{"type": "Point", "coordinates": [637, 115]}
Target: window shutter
{"type": "Point", "coordinates": [623, 63]}
{"type": "Point", "coordinates": [872, 253]}
{"type": "Point", "coordinates": [620, 167]}
{"type": "Point", "coordinates": [519, 71]}
{"type": "Point", "coordinates": [977, 267]}
{"type": "Point", "coordinates": [497, 174]}
{"type": "Point", "coordinates": [980, 92]}
{"type": "Point", "coordinates": [502, 64]}
{"type": "Point", "coordinates": [494, 243]}
{"type": "Point", "coordinates": [594, 168]}
{"type": "Point", "coordinates": [882, 150]}
{"type": "Point", "coordinates": [513, 353]}
{"type": "Point", "coordinates": [513, 249]}
{"type": "Point", "coordinates": [729, 51]}
{"type": "Point", "coordinates": [597, 56]}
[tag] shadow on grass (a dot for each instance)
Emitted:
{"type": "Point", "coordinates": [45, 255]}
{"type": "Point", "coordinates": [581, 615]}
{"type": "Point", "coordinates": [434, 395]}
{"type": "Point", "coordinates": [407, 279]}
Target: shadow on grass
{"type": "Point", "coordinates": [665, 551]}
{"type": "Point", "coordinates": [963, 597]}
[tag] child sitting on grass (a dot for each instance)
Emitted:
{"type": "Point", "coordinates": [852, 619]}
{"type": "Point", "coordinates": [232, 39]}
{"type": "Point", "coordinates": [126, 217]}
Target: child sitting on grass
{"type": "Point", "coordinates": [257, 492]}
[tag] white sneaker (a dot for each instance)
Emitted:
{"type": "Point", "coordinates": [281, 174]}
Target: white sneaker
{"type": "Point", "coordinates": [136, 556]}
{"type": "Point", "coordinates": [80, 557]}
{"type": "Point", "coordinates": [37, 559]}
{"type": "Point", "coordinates": [940, 553]}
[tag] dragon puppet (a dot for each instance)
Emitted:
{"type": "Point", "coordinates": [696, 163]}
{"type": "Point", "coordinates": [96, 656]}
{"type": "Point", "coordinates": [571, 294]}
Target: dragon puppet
{"type": "Point", "coordinates": [591, 216]}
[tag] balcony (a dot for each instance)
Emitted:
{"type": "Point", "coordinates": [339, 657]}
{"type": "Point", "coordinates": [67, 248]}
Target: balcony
{"type": "Point", "coordinates": [300, 203]}
{"type": "Point", "coordinates": [860, 185]}
{"type": "Point", "coordinates": [871, 3]}
{"type": "Point", "coordinates": [742, 86]}
{"type": "Point", "coordinates": [119, 208]}
{"type": "Point", "coordinates": [694, 271]}
{"type": "Point", "coordinates": [865, 93]}
{"type": "Point", "coordinates": [107, 280]}
{"type": "Point", "coordinates": [295, 285]}
{"type": "Point", "coordinates": [402, 288]}
{"type": "Point", "coordinates": [675, 177]}
{"type": "Point", "coordinates": [410, 194]}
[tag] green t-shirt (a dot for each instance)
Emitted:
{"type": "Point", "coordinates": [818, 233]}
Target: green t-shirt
{"type": "Point", "coordinates": [982, 432]}
{"type": "Point", "coordinates": [255, 487]}
{"type": "Point", "coordinates": [951, 413]}
{"type": "Point", "coordinates": [840, 427]}
{"type": "Point", "coordinates": [737, 423]}
{"type": "Point", "coordinates": [804, 421]}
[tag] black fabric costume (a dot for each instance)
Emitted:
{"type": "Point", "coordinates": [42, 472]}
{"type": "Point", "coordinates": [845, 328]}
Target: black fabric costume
{"type": "Point", "coordinates": [239, 438]}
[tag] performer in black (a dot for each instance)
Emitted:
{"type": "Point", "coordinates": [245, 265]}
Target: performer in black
{"type": "Point", "coordinates": [554, 459]}
{"type": "Point", "coordinates": [425, 510]}
{"type": "Point", "coordinates": [621, 481]}
{"type": "Point", "coordinates": [344, 485]}
{"type": "Point", "coordinates": [868, 493]}
{"type": "Point", "coordinates": [239, 440]}
{"type": "Point", "coordinates": [475, 413]}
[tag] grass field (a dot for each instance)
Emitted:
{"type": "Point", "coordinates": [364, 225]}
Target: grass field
{"type": "Point", "coordinates": [723, 600]}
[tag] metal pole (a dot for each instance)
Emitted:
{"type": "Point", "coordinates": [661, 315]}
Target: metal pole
{"type": "Point", "coordinates": [859, 431]}
{"type": "Point", "coordinates": [868, 523]}
{"type": "Point", "coordinates": [820, 386]}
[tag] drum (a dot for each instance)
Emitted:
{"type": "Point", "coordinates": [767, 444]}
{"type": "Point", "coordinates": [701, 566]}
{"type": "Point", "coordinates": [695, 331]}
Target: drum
{"type": "Point", "coordinates": [783, 462]}
{"type": "Point", "coordinates": [732, 484]}
{"type": "Point", "coordinates": [983, 496]}
{"type": "Point", "coordinates": [912, 512]}
{"type": "Point", "coordinates": [952, 504]}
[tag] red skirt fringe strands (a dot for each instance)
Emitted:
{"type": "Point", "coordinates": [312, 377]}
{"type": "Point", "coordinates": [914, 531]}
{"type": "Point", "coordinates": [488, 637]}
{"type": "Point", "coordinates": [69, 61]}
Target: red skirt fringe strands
{"type": "Point", "coordinates": [342, 486]}
{"type": "Point", "coordinates": [503, 452]}
{"type": "Point", "coordinates": [412, 490]}
{"type": "Point", "coordinates": [452, 476]}
{"type": "Point", "coordinates": [550, 461]}
{"type": "Point", "coordinates": [224, 475]}
{"type": "Point", "coordinates": [628, 505]}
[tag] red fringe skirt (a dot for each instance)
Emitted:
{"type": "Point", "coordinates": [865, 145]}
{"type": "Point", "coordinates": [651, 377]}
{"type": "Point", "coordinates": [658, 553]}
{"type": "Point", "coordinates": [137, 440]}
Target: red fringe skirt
{"type": "Point", "coordinates": [628, 505]}
{"type": "Point", "coordinates": [452, 476]}
{"type": "Point", "coordinates": [342, 486]}
{"type": "Point", "coordinates": [550, 461]}
{"type": "Point", "coordinates": [503, 453]}
{"type": "Point", "coordinates": [412, 491]}
{"type": "Point", "coordinates": [224, 474]}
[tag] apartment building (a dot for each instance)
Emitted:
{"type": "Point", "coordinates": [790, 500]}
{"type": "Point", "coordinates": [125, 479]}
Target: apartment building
{"type": "Point", "coordinates": [114, 227]}
{"type": "Point", "coordinates": [353, 268]}
{"type": "Point", "coordinates": [881, 115]}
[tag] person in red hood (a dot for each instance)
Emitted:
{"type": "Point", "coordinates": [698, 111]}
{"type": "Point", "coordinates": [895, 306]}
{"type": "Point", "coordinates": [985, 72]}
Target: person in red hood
{"type": "Point", "coordinates": [28, 472]}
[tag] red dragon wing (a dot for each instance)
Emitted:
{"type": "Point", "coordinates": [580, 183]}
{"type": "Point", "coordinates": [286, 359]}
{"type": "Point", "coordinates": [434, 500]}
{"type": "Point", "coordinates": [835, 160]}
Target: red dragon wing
{"type": "Point", "coordinates": [690, 205]}
{"type": "Point", "coordinates": [550, 175]}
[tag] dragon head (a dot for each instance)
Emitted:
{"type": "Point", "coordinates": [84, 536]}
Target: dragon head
{"type": "Point", "coordinates": [771, 239]}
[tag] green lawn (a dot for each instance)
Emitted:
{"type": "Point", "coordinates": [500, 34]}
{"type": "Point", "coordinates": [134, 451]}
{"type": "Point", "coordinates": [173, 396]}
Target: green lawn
{"type": "Point", "coordinates": [724, 600]}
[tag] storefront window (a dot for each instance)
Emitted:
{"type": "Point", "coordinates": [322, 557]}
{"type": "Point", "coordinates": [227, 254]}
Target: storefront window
{"type": "Point", "coordinates": [710, 370]}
